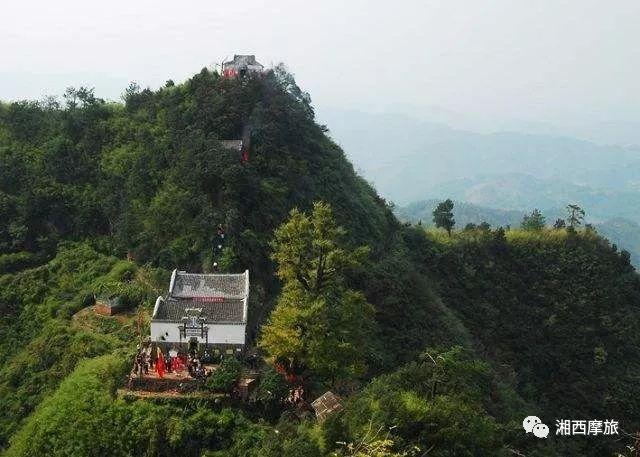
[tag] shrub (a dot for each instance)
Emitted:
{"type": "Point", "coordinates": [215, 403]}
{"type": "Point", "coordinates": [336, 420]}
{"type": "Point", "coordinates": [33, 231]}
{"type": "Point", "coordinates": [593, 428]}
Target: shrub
{"type": "Point", "coordinates": [226, 376]}
{"type": "Point", "coordinates": [17, 261]}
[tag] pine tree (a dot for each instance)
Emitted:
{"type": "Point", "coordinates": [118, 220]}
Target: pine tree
{"type": "Point", "coordinates": [576, 216]}
{"type": "Point", "coordinates": [443, 216]}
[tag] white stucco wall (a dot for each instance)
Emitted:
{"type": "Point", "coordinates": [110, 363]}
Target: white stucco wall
{"type": "Point", "coordinates": [218, 333]}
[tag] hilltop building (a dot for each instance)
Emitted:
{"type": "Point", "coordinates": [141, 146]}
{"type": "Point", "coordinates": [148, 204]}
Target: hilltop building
{"type": "Point", "coordinates": [209, 309]}
{"type": "Point", "coordinates": [241, 66]}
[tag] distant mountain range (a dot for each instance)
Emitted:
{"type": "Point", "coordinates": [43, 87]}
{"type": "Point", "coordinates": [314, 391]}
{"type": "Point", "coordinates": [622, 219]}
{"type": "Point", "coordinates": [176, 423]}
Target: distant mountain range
{"type": "Point", "coordinates": [517, 191]}
{"type": "Point", "coordinates": [408, 159]}
{"type": "Point", "coordinates": [500, 176]}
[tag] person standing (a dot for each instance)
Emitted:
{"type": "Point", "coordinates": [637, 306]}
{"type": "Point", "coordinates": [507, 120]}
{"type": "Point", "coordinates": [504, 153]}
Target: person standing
{"type": "Point", "coordinates": [153, 355]}
{"type": "Point", "coordinates": [160, 364]}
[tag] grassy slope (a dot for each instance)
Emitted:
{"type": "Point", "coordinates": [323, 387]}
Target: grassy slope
{"type": "Point", "coordinates": [49, 330]}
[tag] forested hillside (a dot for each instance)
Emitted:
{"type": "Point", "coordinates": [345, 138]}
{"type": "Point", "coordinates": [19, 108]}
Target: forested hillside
{"type": "Point", "coordinates": [464, 336]}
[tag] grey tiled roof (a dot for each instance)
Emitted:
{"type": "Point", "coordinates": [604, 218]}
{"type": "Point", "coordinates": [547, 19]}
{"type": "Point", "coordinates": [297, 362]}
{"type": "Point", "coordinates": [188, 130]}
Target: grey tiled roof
{"type": "Point", "coordinates": [220, 298]}
{"type": "Point", "coordinates": [188, 285]}
{"type": "Point", "coordinates": [227, 311]}
{"type": "Point", "coordinates": [243, 60]}
{"type": "Point", "coordinates": [326, 404]}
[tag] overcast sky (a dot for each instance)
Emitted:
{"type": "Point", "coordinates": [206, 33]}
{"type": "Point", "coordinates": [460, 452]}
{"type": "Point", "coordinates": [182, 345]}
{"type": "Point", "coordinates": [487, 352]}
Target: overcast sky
{"type": "Point", "coordinates": [569, 66]}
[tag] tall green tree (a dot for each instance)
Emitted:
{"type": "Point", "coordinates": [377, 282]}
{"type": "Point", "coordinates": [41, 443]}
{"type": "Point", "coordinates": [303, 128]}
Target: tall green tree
{"type": "Point", "coordinates": [443, 216]}
{"type": "Point", "coordinates": [575, 215]}
{"type": "Point", "coordinates": [318, 322]}
{"type": "Point", "coordinates": [534, 221]}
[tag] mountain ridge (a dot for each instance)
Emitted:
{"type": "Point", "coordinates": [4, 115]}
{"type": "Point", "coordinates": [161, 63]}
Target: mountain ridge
{"type": "Point", "coordinates": [108, 198]}
{"type": "Point", "coordinates": [419, 155]}
{"type": "Point", "coordinates": [625, 233]}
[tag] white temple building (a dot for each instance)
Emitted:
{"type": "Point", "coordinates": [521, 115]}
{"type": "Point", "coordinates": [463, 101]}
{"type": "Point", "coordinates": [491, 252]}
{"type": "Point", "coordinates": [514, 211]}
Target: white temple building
{"type": "Point", "coordinates": [208, 309]}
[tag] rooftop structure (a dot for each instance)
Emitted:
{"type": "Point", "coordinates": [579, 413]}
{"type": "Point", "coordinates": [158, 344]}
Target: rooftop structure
{"type": "Point", "coordinates": [206, 309]}
{"type": "Point", "coordinates": [108, 305]}
{"type": "Point", "coordinates": [326, 404]}
{"type": "Point", "coordinates": [241, 66]}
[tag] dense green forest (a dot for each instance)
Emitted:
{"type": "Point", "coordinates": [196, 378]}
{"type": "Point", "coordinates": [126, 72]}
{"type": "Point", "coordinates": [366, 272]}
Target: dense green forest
{"type": "Point", "coordinates": [440, 345]}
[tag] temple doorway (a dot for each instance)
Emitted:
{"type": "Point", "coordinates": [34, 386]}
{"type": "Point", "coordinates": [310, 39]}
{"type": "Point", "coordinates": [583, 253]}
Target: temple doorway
{"type": "Point", "coordinates": [193, 346]}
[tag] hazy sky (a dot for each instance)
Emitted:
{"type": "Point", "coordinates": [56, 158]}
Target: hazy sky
{"type": "Point", "coordinates": [541, 65]}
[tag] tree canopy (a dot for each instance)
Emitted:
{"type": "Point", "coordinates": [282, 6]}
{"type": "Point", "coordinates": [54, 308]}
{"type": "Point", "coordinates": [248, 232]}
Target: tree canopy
{"type": "Point", "coordinates": [443, 216]}
{"type": "Point", "coordinates": [533, 221]}
{"type": "Point", "coordinates": [318, 322]}
{"type": "Point", "coordinates": [575, 215]}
